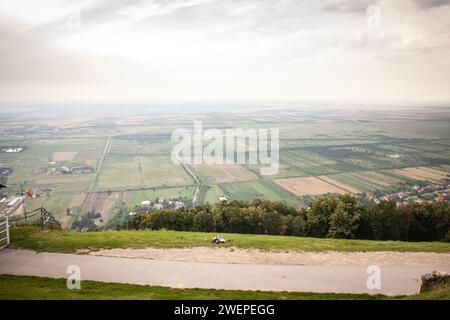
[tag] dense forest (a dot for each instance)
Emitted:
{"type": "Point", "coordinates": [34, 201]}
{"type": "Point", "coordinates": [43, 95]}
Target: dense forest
{"type": "Point", "coordinates": [330, 216]}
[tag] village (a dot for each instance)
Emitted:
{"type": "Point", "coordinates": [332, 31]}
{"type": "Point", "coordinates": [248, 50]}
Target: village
{"type": "Point", "coordinates": [416, 194]}
{"type": "Point", "coordinates": [68, 169]}
{"type": "Point", "coordinates": [158, 204]}
{"type": "Point", "coordinates": [10, 203]}
{"type": "Point", "coordinates": [12, 150]}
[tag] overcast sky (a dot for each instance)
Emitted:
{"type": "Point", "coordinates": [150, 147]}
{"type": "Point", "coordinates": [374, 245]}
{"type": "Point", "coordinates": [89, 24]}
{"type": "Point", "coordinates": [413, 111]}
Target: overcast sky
{"type": "Point", "coordinates": [225, 50]}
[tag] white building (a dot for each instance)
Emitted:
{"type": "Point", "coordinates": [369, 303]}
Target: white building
{"type": "Point", "coordinates": [179, 204]}
{"type": "Point", "coordinates": [13, 150]}
{"type": "Point", "coordinates": [223, 198]}
{"type": "Point", "coordinates": [14, 202]}
{"type": "Point", "coordinates": [146, 203]}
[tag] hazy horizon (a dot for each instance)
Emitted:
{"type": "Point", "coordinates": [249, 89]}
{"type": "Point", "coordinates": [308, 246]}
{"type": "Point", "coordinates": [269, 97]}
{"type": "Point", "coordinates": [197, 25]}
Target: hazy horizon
{"type": "Point", "coordinates": [197, 107]}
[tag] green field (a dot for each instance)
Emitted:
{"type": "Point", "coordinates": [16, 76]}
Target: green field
{"type": "Point", "coordinates": [212, 194]}
{"type": "Point", "coordinates": [62, 183]}
{"type": "Point", "coordinates": [249, 190]}
{"type": "Point", "coordinates": [140, 172]}
{"type": "Point", "coordinates": [342, 144]}
{"type": "Point", "coordinates": [355, 182]}
{"type": "Point", "coordinates": [30, 164]}
{"type": "Point", "coordinates": [56, 203]}
{"type": "Point", "coordinates": [134, 198]}
{"type": "Point", "coordinates": [213, 174]}
{"type": "Point", "coordinates": [71, 242]}
{"type": "Point", "coordinates": [141, 147]}
{"type": "Point", "coordinates": [301, 163]}
{"type": "Point", "coordinates": [37, 288]}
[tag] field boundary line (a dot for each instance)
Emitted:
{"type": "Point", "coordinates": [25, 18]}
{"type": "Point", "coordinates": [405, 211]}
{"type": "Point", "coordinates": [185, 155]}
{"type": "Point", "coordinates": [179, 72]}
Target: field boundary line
{"type": "Point", "coordinates": [334, 185]}
{"type": "Point", "coordinates": [144, 188]}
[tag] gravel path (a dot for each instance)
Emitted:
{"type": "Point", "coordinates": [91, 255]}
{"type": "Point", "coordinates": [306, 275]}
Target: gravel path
{"type": "Point", "coordinates": [181, 274]}
{"type": "Point", "coordinates": [284, 257]}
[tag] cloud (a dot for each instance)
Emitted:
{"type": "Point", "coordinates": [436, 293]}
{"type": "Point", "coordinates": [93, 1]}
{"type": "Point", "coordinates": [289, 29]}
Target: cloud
{"type": "Point", "coordinates": [427, 4]}
{"type": "Point", "coordinates": [236, 49]}
{"type": "Point", "coordinates": [28, 59]}
{"type": "Point", "coordinates": [348, 6]}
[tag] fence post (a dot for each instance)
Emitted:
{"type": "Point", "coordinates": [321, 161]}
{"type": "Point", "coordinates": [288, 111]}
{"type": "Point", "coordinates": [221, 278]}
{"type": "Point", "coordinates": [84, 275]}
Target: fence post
{"type": "Point", "coordinates": [7, 230]}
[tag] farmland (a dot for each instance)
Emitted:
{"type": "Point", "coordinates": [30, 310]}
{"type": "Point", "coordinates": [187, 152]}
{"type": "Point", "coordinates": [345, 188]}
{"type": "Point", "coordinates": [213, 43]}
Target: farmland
{"type": "Point", "coordinates": [112, 163]}
{"type": "Point", "coordinates": [422, 173]}
{"type": "Point", "coordinates": [249, 190]}
{"type": "Point", "coordinates": [222, 173]}
{"type": "Point", "coordinates": [140, 173]}
{"type": "Point", "coordinates": [310, 186]}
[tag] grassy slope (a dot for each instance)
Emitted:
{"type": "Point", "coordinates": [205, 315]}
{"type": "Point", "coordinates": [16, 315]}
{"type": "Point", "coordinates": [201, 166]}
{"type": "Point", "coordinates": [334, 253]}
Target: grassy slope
{"type": "Point", "coordinates": [67, 241]}
{"type": "Point", "coordinates": [29, 288]}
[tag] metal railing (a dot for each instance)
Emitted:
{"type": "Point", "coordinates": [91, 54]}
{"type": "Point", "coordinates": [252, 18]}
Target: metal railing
{"type": "Point", "coordinates": [4, 231]}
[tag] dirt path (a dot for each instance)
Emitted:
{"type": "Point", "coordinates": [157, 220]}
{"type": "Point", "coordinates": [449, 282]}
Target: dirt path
{"type": "Point", "coordinates": [265, 257]}
{"type": "Point", "coordinates": [99, 165]}
{"type": "Point", "coordinates": [180, 274]}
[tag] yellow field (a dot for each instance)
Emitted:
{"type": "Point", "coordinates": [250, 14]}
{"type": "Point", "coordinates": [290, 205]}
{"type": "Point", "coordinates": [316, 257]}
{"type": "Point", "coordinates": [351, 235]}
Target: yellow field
{"type": "Point", "coordinates": [310, 186]}
{"type": "Point", "coordinates": [422, 173]}
{"type": "Point", "coordinates": [64, 156]}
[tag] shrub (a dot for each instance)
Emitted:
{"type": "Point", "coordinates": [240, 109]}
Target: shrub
{"type": "Point", "coordinates": [433, 281]}
{"type": "Point", "coordinates": [343, 223]}
{"type": "Point", "coordinates": [329, 216]}
{"type": "Point", "coordinates": [383, 221]}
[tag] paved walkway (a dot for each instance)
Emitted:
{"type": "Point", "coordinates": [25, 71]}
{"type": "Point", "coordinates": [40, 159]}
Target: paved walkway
{"type": "Point", "coordinates": [180, 274]}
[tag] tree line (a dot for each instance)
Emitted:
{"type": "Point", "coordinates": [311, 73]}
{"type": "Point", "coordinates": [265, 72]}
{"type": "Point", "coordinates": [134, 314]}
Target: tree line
{"type": "Point", "coordinates": [339, 217]}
